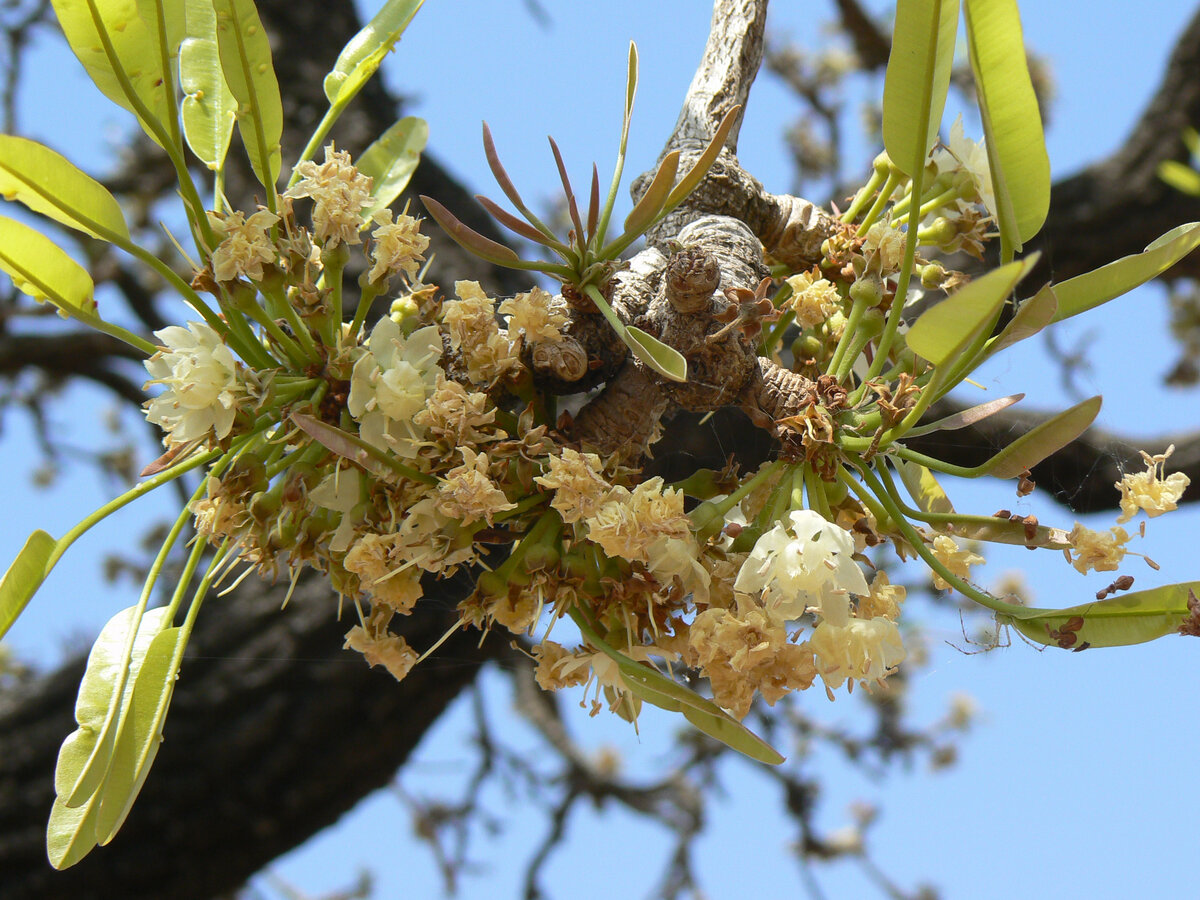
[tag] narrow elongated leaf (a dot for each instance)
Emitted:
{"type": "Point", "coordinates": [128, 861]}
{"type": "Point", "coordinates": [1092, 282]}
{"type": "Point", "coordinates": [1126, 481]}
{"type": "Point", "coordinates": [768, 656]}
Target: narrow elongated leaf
{"type": "Point", "coordinates": [655, 196]}
{"type": "Point", "coordinates": [44, 271]}
{"type": "Point", "coordinates": [515, 225]}
{"type": "Point", "coordinates": [1032, 447]}
{"type": "Point", "coordinates": [943, 331]}
{"type": "Point", "coordinates": [1012, 122]}
{"type": "Point", "coordinates": [209, 110]}
{"type": "Point", "coordinates": [1081, 293]}
{"type": "Point", "coordinates": [70, 833]}
{"type": "Point", "coordinates": [1118, 621]}
{"type": "Point", "coordinates": [24, 577]}
{"type": "Point", "coordinates": [700, 167]}
{"type": "Point", "coordinates": [50, 184]}
{"type": "Point", "coordinates": [917, 79]}
{"type": "Point", "coordinates": [122, 57]}
{"type": "Point", "coordinates": [967, 416]}
{"type": "Point", "coordinates": [1031, 317]}
{"type": "Point", "coordinates": [923, 487]}
{"type": "Point", "coordinates": [506, 185]}
{"type": "Point", "coordinates": [569, 193]}
{"type": "Point", "coordinates": [1004, 531]}
{"type": "Point", "coordinates": [352, 447]}
{"type": "Point", "coordinates": [141, 731]}
{"type": "Point", "coordinates": [362, 56]}
{"type": "Point", "coordinates": [246, 63]}
{"type": "Point", "coordinates": [391, 160]}
{"type": "Point", "coordinates": [103, 700]}
{"type": "Point", "coordinates": [469, 239]}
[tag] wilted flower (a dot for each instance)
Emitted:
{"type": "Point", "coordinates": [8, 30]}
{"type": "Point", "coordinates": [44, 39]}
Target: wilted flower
{"type": "Point", "coordinates": [1097, 550]}
{"type": "Point", "coordinates": [200, 376]}
{"type": "Point", "coordinates": [398, 246]}
{"type": "Point", "coordinates": [339, 194]}
{"type": "Point", "coordinates": [245, 245]}
{"type": "Point", "coordinates": [860, 650]}
{"type": "Point", "coordinates": [959, 562]}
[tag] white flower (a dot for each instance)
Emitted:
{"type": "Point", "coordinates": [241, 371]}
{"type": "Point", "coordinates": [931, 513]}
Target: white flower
{"type": "Point", "coordinates": [962, 153]}
{"type": "Point", "coordinates": [805, 566]}
{"type": "Point", "coordinates": [392, 382]}
{"type": "Point", "coordinates": [200, 376]}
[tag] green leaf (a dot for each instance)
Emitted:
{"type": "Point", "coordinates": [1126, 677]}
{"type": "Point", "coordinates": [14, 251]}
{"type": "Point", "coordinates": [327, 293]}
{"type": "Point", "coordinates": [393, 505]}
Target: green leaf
{"type": "Point", "coordinates": [24, 577]}
{"type": "Point", "coordinates": [917, 79]}
{"type": "Point", "coordinates": [1004, 531]}
{"type": "Point", "coordinates": [944, 331]}
{"type": "Point", "coordinates": [391, 160]}
{"type": "Point", "coordinates": [1083, 292]}
{"type": "Point", "coordinates": [651, 686]}
{"type": "Point", "coordinates": [1177, 175]}
{"type": "Point", "coordinates": [70, 833]}
{"type": "Point", "coordinates": [104, 696]}
{"type": "Point", "coordinates": [1012, 122]}
{"type": "Point", "coordinates": [515, 225]}
{"type": "Point", "coordinates": [48, 183]}
{"type": "Point", "coordinates": [1032, 447]}
{"type": "Point", "coordinates": [700, 167]}
{"type": "Point", "coordinates": [1118, 621]}
{"type": "Point", "coordinates": [923, 487]}
{"type": "Point", "coordinates": [246, 63]}
{"type": "Point", "coordinates": [361, 57]}
{"type": "Point", "coordinates": [141, 731]}
{"type": "Point", "coordinates": [123, 57]}
{"type": "Point", "coordinates": [209, 109]}
{"type": "Point", "coordinates": [484, 248]}
{"type": "Point", "coordinates": [44, 271]}
{"type": "Point", "coordinates": [1031, 317]}
{"type": "Point", "coordinates": [663, 359]}
{"type": "Point", "coordinates": [655, 197]}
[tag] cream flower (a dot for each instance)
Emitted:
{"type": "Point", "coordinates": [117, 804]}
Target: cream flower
{"type": "Point", "coordinates": [392, 382]}
{"type": "Point", "coordinates": [398, 246]}
{"type": "Point", "coordinates": [1149, 491]}
{"type": "Point", "coordinates": [377, 559]}
{"type": "Point", "coordinates": [339, 194]}
{"type": "Point", "coordinates": [1097, 550]}
{"type": "Point", "coordinates": [959, 562]}
{"type": "Point", "coordinates": [813, 298]}
{"type": "Point", "coordinates": [886, 240]}
{"type": "Point", "coordinates": [628, 523]}
{"type": "Point", "coordinates": [965, 155]}
{"type": "Point", "coordinates": [471, 323]}
{"type": "Point", "coordinates": [201, 380]}
{"type": "Point", "coordinates": [860, 650]}
{"type": "Point", "coordinates": [805, 566]}
{"type": "Point", "coordinates": [245, 245]}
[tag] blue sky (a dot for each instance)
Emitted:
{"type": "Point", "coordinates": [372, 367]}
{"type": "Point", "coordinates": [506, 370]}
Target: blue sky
{"type": "Point", "coordinates": [1075, 780]}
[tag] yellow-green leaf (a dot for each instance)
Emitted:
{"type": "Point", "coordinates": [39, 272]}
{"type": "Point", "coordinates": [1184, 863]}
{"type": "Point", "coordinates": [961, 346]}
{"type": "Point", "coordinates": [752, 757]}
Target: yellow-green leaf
{"type": "Point", "coordinates": [48, 183]}
{"type": "Point", "coordinates": [44, 271]}
{"type": "Point", "coordinates": [1177, 175]}
{"type": "Point", "coordinates": [1005, 531]}
{"type": "Point", "coordinates": [917, 79]}
{"type": "Point", "coordinates": [209, 109]}
{"type": "Point", "coordinates": [391, 160]}
{"type": "Point", "coordinates": [122, 56]}
{"type": "Point", "coordinates": [141, 731]}
{"type": "Point", "coordinates": [700, 167]}
{"type": "Point", "coordinates": [1012, 123]}
{"type": "Point", "coordinates": [103, 700]}
{"type": "Point", "coordinates": [1118, 621]}
{"type": "Point", "coordinates": [945, 330]}
{"type": "Point", "coordinates": [246, 62]}
{"type": "Point", "coordinates": [361, 57]}
{"type": "Point", "coordinates": [24, 577]}
{"type": "Point", "coordinates": [1032, 447]}
{"type": "Point", "coordinates": [967, 416]}
{"type": "Point", "coordinates": [1083, 292]}
{"type": "Point", "coordinates": [70, 833]}
{"type": "Point", "coordinates": [663, 359]}
{"type": "Point", "coordinates": [923, 487]}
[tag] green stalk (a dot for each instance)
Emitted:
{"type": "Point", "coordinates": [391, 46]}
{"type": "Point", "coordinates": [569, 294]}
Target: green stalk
{"type": "Point", "coordinates": [894, 179]}
{"type": "Point", "coordinates": [838, 362]}
{"type": "Point", "coordinates": [878, 176]}
{"type": "Point", "coordinates": [918, 544]}
{"type": "Point", "coordinates": [366, 297]}
{"type": "Point", "coordinates": [906, 269]}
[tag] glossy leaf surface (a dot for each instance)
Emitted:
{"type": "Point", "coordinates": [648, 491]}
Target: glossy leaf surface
{"type": "Point", "coordinates": [44, 271]}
